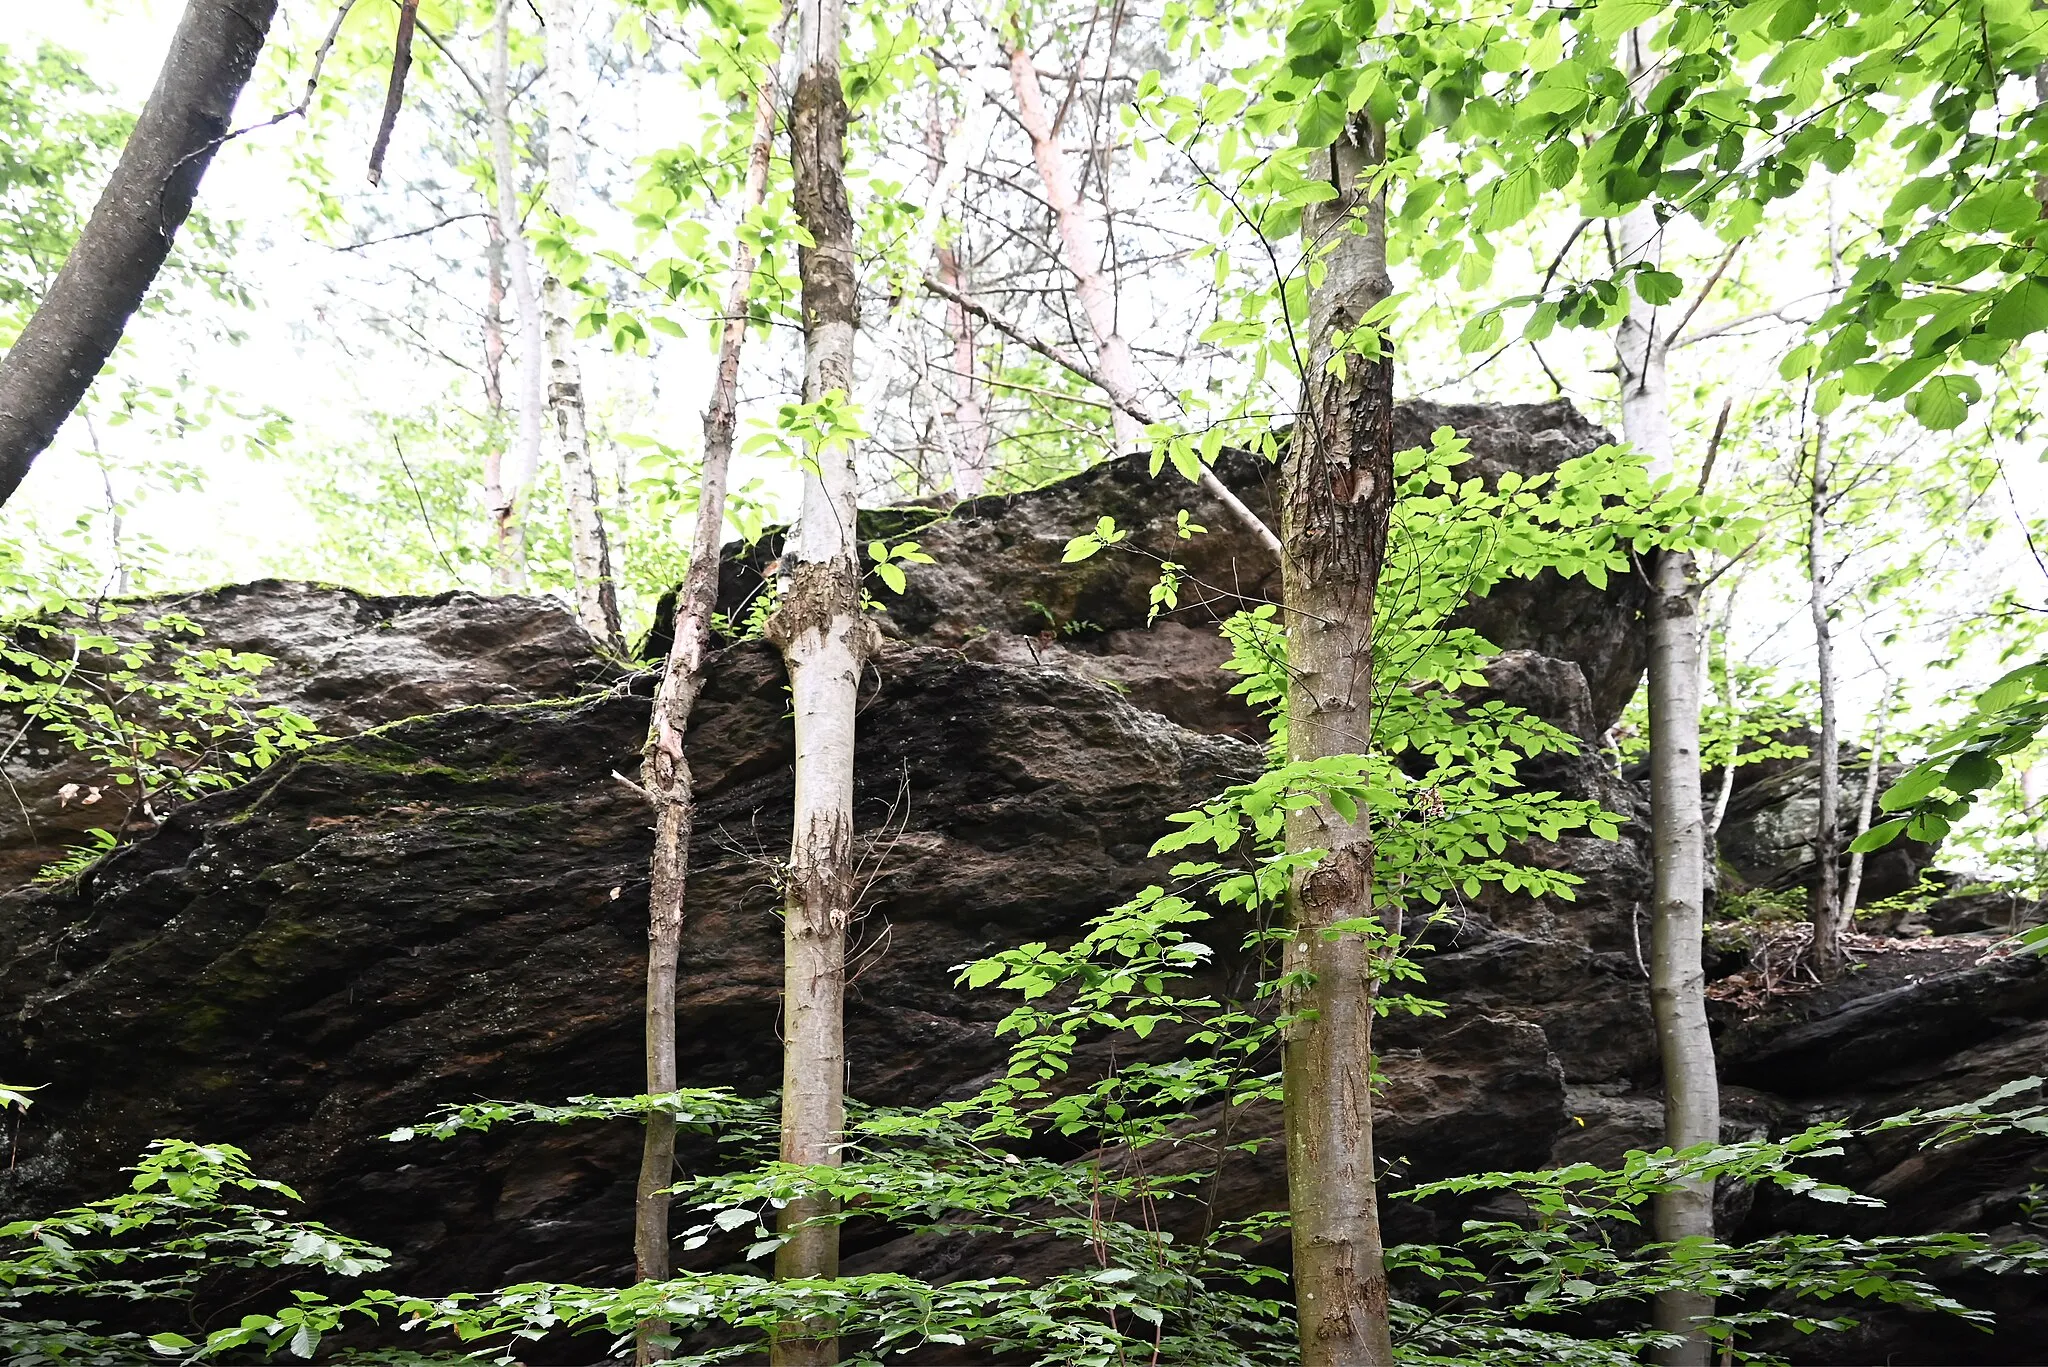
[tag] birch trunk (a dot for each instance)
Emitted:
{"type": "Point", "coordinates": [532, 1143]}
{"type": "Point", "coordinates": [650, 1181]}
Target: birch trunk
{"type": "Point", "coordinates": [825, 644]}
{"type": "Point", "coordinates": [597, 603]}
{"type": "Point", "coordinates": [1337, 499]}
{"type": "Point", "coordinates": [1866, 809]}
{"type": "Point", "coordinates": [111, 267]}
{"type": "Point", "coordinates": [665, 765]}
{"type": "Point", "coordinates": [1678, 998]}
{"type": "Point", "coordinates": [496, 503]}
{"type": "Point", "coordinates": [1824, 907]}
{"type": "Point", "coordinates": [1081, 253]}
{"type": "Point", "coordinates": [967, 448]}
{"type": "Point", "coordinates": [524, 454]}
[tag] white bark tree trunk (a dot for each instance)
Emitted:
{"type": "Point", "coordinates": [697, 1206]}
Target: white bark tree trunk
{"type": "Point", "coordinates": [665, 766]}
{"type": "Point", "coordinates": [1337, 500]}
{"type": "Point", "coordinates": [1678, 997]}
{"type": "Point", "coordinates": [522, 465]}
{"type": "Point", "coordinates": [1081, 252]}
{"type": "Point", "coordinates": [967, 445]}
{"type": "Point", "coordinates": [1866, 809]}
{"type": "Point", "coordinates": [826, 644]}
{"type": "Point", "coordinates": [597, 603]}
{"type": "Point", "coordinates": [1824, 909]}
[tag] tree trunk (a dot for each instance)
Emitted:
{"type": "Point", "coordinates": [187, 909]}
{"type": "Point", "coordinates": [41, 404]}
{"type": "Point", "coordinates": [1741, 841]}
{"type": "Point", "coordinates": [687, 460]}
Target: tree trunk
{"type": "Point", "coordinates": [1080, 243]}
{"type": "Point", "coordinates": [1081, 251]}
{"type": "Point", "coordinates": [1678, 982]}
{"type": "Point", "coordinates": [1824, 907]}
{"type": "Point", "coordinates": [125, 243]}
{"type": "Point", "coordinates": [825, 644]}
{"type": "Point", "coordinates": [1337, 499]}
{"type": "Point", "coordinates": [665, 766]}
{"type": "Point", "coordinates": [509, 572]}
{"type": "Point", "coordinates": [496, 503]}
{"type": "Point", "coordinates": [597, 602]}
{"type": "Point", "coordinates": [1866, 810]}
{"type": "Point", "coordinates": [967, 448]}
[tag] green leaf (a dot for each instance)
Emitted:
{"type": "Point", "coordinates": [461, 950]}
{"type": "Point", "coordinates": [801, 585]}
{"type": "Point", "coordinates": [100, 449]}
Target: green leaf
{"type": "Point", "coordinates": [1944, 401]}
{"type": "Point", "coordinates": [1878, 836]}
{"type": "Point", "coordinates": [2020, 312]}
{"type": "Point", "coordinates": [1658, 287]}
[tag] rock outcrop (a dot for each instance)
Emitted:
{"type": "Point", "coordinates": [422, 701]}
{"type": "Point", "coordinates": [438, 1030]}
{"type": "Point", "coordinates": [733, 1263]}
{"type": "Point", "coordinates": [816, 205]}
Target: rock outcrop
{"type": "Point", "coordinates": [452, 906]}
{"type": "Point", "coordinates": [344, 660]}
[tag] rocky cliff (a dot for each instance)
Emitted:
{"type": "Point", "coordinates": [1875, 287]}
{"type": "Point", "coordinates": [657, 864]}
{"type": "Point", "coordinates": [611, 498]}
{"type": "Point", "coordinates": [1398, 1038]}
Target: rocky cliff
{"type": "Point", "coordinates": [448, 902]}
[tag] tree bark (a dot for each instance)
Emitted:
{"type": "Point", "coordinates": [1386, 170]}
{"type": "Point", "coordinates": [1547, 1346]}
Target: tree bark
{"type": "Point", "coordinates": [124, 245]}
{"type": "Point", "coordinates": [1337, 500]}
{"type": "Point", "coordinates": [826, 644]}
{"type": "Point", "coordinates": [1824, 906]}
{"type": "Point", "coordinates": [968, 449]}
{"type": "Point", "coordinates": [1081, 252]}
{"type": "Point", "coordinates": [509, 573]}
{"type": "Point", "coordinates": [665, 765]}
{"type": "Point", "coordinates": [1866, 809]}
{"type": "Point", "coordinates": [1678, 997]}
{"type": "Point", "coordinates": [597, 602]}
{"type": "Point", "coordinates": [494, 398]}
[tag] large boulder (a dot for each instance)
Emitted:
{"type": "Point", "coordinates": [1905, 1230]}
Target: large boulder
{"type": "Point", "coordinates": [1001, 591]}
{"type": "Point", "coordinates": [344, 660]}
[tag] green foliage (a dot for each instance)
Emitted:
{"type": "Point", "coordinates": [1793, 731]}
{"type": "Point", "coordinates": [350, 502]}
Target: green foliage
{"type": "Point", "coordinates": [163, 718]}
{"type": "Point", "coordinates": [1930, 797]}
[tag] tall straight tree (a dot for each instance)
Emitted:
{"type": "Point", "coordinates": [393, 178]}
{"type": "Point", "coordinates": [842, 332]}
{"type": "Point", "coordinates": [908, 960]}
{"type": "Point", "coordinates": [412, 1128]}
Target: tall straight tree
{"type": "Point", "coordinates": [110, 268]}
{"type": "Point", "coordinates": [665, 764]}
{"type": "Point", "coordinates": [522, 465]}
{"type": "Point", "coordinates": [1678, 982]}
{"type": "Point", "coordinates": [1337, 498]}
{"type": "Point", "coordinates": [1824, 906]}
{"type": "Point", "coordinates": [826, 644]}
{"type": "Point", "coordinates": [597, 600]}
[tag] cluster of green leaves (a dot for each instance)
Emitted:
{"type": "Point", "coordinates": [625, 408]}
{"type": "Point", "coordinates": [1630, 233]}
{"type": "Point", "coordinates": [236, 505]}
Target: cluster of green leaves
{"type": "Point", "coordinates": [191, 1212]}
{"type": "Point", "coordinates": [1928, 799]}
{"type": "Point", "coordinates": [56, 140]}
{"type": "Point", "coordinates": [165, 718]}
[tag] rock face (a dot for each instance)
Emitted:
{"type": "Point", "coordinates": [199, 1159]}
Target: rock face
{"type": "Point", "coordinates": [1766, 840]}
{"type": "Point", "coordinates": [453, 906]}
{"type": "Point", "coordinates": [1001, 592]}
{"type": "Point", "coordinates": [345, 660]}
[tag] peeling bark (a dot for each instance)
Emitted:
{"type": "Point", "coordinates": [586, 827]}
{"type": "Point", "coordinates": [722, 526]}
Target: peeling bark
{"type": "Point", "coordinates": [665, 765]}
{"type": "Point", "coordinates": [826, 644]}
{"type": "Point", "coordinates": [116, 258]}
{"type": "Point", "coordinates": [1337, 500]}
{"type": "Point", "coordinates": [597, 602]}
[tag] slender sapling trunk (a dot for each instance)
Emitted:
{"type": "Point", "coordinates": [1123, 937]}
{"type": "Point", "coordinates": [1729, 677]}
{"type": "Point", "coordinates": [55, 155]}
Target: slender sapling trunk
{"type": "Point", "coordinates": [1824, 907]}
{"type": "Point", "coordinates": [522, 464]}
{"type": "Point", "coordinates": [1866, 808]}
{"type": "Point", "coordinates": [665, 765]}
{"type": "Point", "coordinates": [590, 560]}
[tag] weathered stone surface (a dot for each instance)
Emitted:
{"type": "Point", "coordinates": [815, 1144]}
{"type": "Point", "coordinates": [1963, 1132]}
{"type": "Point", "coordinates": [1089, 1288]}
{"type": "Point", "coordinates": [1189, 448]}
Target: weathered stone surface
{"type": "Point", "coordinates": [1766, 840]}
{"type": "Point", "coordinates": [1001, 591]}
{"type": "Point", "coordinates": [346, 660]}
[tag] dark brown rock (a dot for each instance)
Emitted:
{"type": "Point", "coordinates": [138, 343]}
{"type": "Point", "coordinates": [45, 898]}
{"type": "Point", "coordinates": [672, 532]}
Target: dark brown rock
{"type": "Point", "coordinates": [348, 661]}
